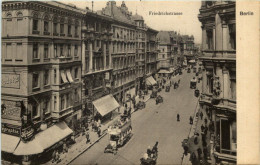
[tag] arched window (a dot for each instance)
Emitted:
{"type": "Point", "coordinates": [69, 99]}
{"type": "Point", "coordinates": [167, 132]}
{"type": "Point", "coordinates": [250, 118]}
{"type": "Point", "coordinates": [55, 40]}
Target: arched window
{"type": "Point", "coordinates": [55, 25]}
{"type": "Point", "coordinates": [35, 22]}
{"type": "Point", "coordinates": [46, 24]}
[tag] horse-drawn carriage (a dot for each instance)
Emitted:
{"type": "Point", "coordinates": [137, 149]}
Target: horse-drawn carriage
{"type": "Point", "coordinates": [159, 99]}
{"type": "Point", "coordinates": [140, 105]}
{"type": "Point", "coordinates": [193, 83]}
{"type": "Point", "coordinates": [197, 92]}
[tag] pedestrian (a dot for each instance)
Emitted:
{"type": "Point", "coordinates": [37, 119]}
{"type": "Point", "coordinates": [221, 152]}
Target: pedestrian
{"type": "Point", "coordinates": [202, 128]}
{"type": "Point", "coordinates": [199, 153]}
{"type": "Point", "coordinates": [178, 117]}
{"type": "Point", "coordinates": [205, 153]}
{"type": "Point", "coordinates": [99, 132]}
{"type": "Point", "coordinates": [87, 137]}
{"type": "Point", "coordinates": [54, 156]}
{"type": "Point", "coordinates": [191, 120]}
{"type": "Point", "coordinates": [201, 115]}
{"type": "Point", "coordinates": [206, 121]}
{"type": "Point", "coordinates": [65, 148]}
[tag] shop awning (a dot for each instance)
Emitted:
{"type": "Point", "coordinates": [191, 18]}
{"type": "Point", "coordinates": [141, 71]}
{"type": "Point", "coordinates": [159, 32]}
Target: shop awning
{"type": "Point", "coordinates": [44, 140]}
{"type": "Point", "coordinates": [106, 104]}
{"type": "Point", "coordinates": [164, 71]}
{"type": "Point", "coordinates": [9, 142]}
{"type": "Point", "coordinates": [63, 76]}
{"type": "Point", "coordinates": [150, 81]}
{"type": "Point", "coordinates": [69, 76]}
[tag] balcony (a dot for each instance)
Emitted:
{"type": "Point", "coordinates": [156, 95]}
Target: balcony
{"type": "Point", "coordinates": [62, 59]}
{"type": "Point", "coordinates": [69, 35]}
{"type": "Point", "coordinates": [62, 34]}
{"type": "Point", "coordinates": [62, 113]}
{"type": "Point", "coordinates": [219, 55]}
{"type": "Point", "coordinates": [46, 33]}
{"type": "Point", "coordinates": [55, 34]}
{"type": "Point", "coordinates": [36, 32]}
{"type": "Point", "coordinates": [218, 103]}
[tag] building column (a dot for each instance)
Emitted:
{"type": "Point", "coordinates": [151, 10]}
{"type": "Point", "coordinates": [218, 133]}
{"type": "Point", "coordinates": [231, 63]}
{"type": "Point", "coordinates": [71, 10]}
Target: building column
{"type": "Point", "coordinates": [219, 73]}
{"type": "Point", "coordinates": [204, 81]}
{"type": "Point", "coordinates": [110, 53]}
{"type": "Point", "coordinates": [226, 82]}
{"type": "Point", "coordinates": [83, 56]}
{"type": "Point", "coordinates": [214, 38]}
{"type": "Point", "coordinates": [204, 38]}
{"type": "Point", "coordinates": [225, 33]}
{"type": "Point", "coordinates": [104, 54]}
{"type": "Point", "coordinates": [90, 56]}
{"type": "Point", "coordinates": [218, 32]}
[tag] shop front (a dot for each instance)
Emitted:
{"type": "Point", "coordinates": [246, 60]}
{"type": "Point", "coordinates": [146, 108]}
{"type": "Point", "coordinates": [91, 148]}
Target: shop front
{"type": "Point", "coordinates": [104, 108]}
{"type": "Point", "coordinates": [150, 82]}
{"type": "Point", "coordinates": [42, 142]}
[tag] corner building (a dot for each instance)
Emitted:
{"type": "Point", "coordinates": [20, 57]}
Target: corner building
{"type": "Point", "coordinates": [218, 98]}
{"type": "Point", "coordinates": [41, 76]}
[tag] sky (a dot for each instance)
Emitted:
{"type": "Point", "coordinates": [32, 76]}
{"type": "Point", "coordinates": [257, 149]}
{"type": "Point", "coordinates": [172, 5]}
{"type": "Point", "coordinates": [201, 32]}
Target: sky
{"type": "Point", "coordinates": [187, 23]}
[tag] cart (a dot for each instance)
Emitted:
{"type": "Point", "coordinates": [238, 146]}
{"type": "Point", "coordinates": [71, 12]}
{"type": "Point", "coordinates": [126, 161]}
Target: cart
{"type": "Point", "coordinates": [197, 93]}
{"type": "Point", "coordinates": [159, 99]}
{"type": "Point", "coordinates": [193, 83]}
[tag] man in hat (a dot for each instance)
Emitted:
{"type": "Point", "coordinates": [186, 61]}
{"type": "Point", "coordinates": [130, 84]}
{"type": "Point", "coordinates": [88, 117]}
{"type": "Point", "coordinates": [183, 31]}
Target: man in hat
{"type": "Point", "coordinates": [178, 117]}
{"type": "Point", "coordinates": [191, 120]}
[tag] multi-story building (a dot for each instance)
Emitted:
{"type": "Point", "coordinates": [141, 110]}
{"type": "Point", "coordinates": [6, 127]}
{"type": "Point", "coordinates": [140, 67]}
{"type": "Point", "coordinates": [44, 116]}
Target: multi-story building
{"type": "Point", "coordinates": [170, 52]}
{"type": "Point", "coordinates": [96, 64]}
{"type": "Point", "coordinates": [219, 77]}
{"type": "Point", "coordinates": [41, 74]}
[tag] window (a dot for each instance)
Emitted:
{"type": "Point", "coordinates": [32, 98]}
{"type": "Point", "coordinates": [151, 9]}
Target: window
{"type": "Point", "coordinates": [76, 31]}
{"type": "Point", "coordinates": [62, 102]}
{"type": "Point", "coordinates": [232, 33]}
{"type": "Point", "coordinates": [67, 100]}
{"type": "Point", "coordinates": [61, 50]}
{"type": "Point", "coordinates": [46, 51]}
{"type": "Point", "coordinates": [55, 50]}
{"type": "Point", "coordinates": [210, 83]}
{"type": "Point", "coordinates": [69, 29]}
{"type": "Point", "coordinates": [55, 28]}
{"type": "Point", "coordinates": [55, 76]}
{"type": "Point", "coordinates": [55, 102]}
{"type": "Point", "coordinates": [69, 50]}
{"type": "Point", "coordinates": [35, 111]}
{"type": "Point", "coordinates": [35, 24]}
{"type": "Point", "coordinates": [76, 50]}
{"type": "Point", "coordinates": [76, 73]}
{"type": "Point", "coordinates": [35, 51]}
{"type": "Point", "coordinates": [46, 77]}
{"type": "Point", "coordinates": [209, 39]}
{"type": "Point", "coordinates": [62, 28]}
{"type": "Point", "coordinates": [35, 80]}
{"type": "Point", "coordinates": [9, 54]}
{"type": "Point", "coordinates": [19, 51]}
{"type": "Point", "coordinates": [46, 26]}
{"type": "Point", "coordinates": [76, 95]}
{"type": "Point", "coordinates": [45, 107]}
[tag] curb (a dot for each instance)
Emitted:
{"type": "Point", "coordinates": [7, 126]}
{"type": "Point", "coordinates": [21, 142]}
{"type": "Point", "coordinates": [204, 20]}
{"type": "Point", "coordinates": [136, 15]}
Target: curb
{"type": "Point", "coordinates": [104, 134]}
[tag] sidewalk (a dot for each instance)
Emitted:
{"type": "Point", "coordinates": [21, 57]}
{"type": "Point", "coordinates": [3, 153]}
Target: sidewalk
{"type": "Point", "coordinates": [80, 146]}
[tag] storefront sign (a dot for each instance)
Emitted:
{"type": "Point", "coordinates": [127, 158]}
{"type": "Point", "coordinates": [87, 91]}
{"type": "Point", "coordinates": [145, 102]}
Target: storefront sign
{"type": "Point", "coordinates": [11, 109]}
{"type": "Point", "coordinates": [27, 133]}
{"type": "Point", "coordinates": [10, 129]}
{"type": "Point", "coordinates": [10, 80]}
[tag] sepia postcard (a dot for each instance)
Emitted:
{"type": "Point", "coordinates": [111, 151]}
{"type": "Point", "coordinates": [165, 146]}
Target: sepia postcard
{"type": "Point", "coordinates": [130, 82]}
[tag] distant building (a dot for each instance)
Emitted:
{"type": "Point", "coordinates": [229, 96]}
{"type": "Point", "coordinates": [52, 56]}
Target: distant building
{"type": "Point", "coordinates": [219, 77]}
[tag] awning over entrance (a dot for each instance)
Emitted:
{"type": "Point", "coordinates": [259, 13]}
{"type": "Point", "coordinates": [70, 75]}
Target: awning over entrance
{"type": "Point", "coordinates": [44, 140]}
{"type": "Point", "coordinates": [9, 142]}
{"type": "Point", "coordinates": [150, 81]}
{"type": "Point", "coordinates": [164, 71]}
{"type": "Point", "coordinates": [106, 104]}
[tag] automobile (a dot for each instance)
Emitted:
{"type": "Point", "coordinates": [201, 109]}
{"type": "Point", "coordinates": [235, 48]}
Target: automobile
{"type": "Point", "coordinates": [193, 83]}
{"type": "Point", "coordinates": [197, 93]}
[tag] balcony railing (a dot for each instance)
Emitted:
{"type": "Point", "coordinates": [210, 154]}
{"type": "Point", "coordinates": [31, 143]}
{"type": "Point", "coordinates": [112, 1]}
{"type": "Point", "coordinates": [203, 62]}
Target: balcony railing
{"type": "Point", "coordinates": [219, 54]}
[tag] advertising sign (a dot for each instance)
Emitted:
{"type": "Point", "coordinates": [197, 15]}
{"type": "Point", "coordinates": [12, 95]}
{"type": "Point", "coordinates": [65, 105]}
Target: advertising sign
{"type": "Point", "coordinates": [11, 109]}
{"type": "Point", "coordinates": [10, 80]}
{"type": "Point", "coordinates": [10, 129]}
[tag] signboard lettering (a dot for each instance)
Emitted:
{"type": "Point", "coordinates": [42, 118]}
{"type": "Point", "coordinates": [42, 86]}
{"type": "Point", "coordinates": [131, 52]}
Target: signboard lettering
{"type": "Point", "coordinates": [10, 130]}
{"type": "Point", "coordinates": [27, 133]}
{"type": "Point", "coordinates": [11, 109]}
{"type": "Point", "coordinates": [10, 80]}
